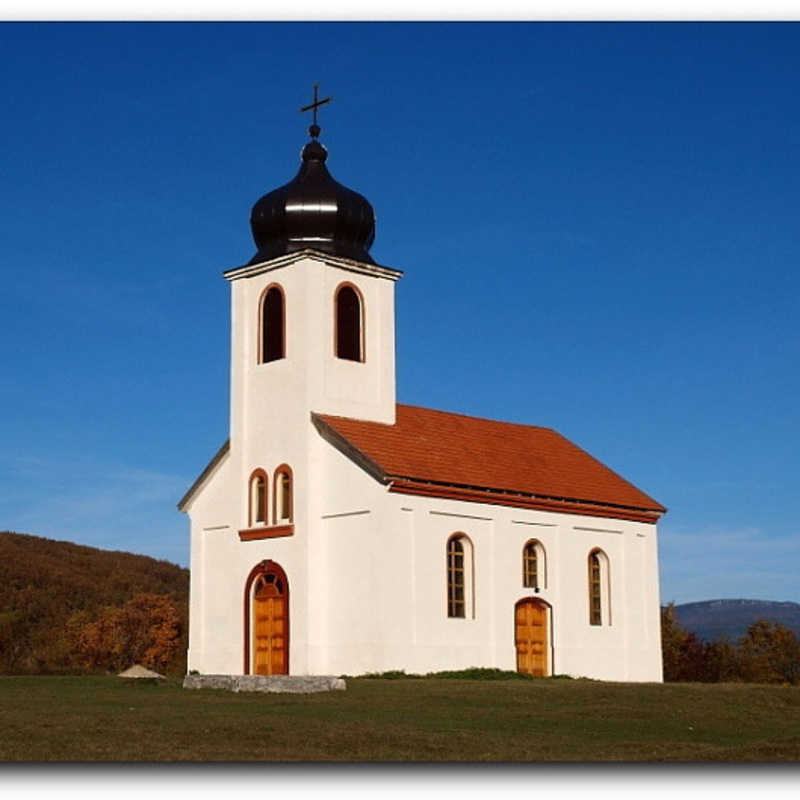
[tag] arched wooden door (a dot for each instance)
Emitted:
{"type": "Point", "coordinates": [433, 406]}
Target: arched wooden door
{"type": "Point", "coordinates": [530, 636]}
{"type": "Point", "coordinates": [270, 625]}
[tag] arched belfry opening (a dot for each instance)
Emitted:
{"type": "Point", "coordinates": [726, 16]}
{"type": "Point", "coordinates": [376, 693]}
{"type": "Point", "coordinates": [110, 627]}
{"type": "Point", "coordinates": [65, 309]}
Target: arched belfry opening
{"type": "Point", "coordinates": [273, 325]}
{"type": "Point", "coordinates": [349, 323]}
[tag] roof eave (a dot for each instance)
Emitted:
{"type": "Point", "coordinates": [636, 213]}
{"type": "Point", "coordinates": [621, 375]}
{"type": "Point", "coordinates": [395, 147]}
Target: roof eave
{"type": "Point", "coordinates": [204, 475]}
{"type": "Point", "coordinates": [501, 497]}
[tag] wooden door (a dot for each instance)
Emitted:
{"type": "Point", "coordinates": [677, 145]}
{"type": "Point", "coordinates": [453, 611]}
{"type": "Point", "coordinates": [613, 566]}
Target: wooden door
{"type": "Point", "coordinates": [270, 618]}
{"type": "Point", "coordinates": [531, 636]}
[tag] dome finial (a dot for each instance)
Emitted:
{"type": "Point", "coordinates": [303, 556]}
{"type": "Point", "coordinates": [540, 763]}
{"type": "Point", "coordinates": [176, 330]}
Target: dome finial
{"type": "Point", "coordinates": [314, 130]}
{"type": "Point", "coordinates": [313, 211]}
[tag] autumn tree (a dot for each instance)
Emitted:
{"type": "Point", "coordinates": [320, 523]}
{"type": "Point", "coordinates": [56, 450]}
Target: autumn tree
{"type": "Point", "coordinates": [14, 644]}
{"type": "Point", "coordinates": [146, 630]}
{"type": "Point", "coordinates": [687, 658]}
{"type": "Point", "coordinates": [673, 638]}
{"type": "Point", "coordinates": [770, 653]}
{"type": "Point", "coordinates": [722, 662]}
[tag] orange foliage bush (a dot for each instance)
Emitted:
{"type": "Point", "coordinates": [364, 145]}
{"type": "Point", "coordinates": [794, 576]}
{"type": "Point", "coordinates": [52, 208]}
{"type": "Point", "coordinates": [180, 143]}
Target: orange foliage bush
{"type": "Point", "coordinates": [146, 630]}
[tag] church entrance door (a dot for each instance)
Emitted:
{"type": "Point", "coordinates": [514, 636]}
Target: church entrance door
{"type": "Point", "coordinates": [530, 618]}
{"type": "Point", "coordinates": [270, 625]}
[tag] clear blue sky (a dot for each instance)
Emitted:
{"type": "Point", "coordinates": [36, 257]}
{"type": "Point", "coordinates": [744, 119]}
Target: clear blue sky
{"type": "Point", "coordinates": [598, 225]}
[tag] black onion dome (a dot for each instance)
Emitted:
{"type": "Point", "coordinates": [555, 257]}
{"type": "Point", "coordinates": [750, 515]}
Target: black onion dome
{"type": "Point", "coordinates": [313, 211]}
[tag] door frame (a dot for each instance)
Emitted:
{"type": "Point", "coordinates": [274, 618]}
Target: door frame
{"type": "Point", "coordinates": [549, 670]}
{"type": "Point", "coordinates": [265, 567]}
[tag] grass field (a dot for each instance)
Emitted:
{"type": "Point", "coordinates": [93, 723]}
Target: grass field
{"type": "Point", "coordinates": [109, 719]}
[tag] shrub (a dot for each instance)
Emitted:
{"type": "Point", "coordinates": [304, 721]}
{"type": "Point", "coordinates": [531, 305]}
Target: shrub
{"type": "Point", "coordinates": [389, 675]}
{"type": "Point", "coordinates": [469, 674]}
{"type": "Point", "coordinates": [146, 630]}
{"type": "Point", "coordinates": [480, 674]}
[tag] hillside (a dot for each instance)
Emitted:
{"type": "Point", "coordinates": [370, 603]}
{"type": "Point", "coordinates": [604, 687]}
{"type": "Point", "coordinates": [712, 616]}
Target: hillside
{"type": "Point", "coordinates": [45, 583]}
{"type": "Point", "coordinates": [713, 619]}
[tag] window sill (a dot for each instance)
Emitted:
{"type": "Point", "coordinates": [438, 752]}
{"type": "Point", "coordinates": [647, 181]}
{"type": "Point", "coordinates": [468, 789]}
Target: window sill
{"type": "Point", "coordinates": [271, 361]}
{"type": "Point", "coordinates": [266, 532]}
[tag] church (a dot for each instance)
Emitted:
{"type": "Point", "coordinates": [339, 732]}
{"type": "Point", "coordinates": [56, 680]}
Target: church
{"type": "Point", "coordinates": [339, 532]}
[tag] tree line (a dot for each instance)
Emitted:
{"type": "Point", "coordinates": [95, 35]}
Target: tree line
{"type": "Point", "coordinates": [66, 608]}
{"type": "Point", "coordinates": [768, 653]}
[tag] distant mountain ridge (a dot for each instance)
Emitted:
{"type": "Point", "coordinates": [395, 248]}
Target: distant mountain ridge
{"type": "Point", "coordinates": [714, 619]}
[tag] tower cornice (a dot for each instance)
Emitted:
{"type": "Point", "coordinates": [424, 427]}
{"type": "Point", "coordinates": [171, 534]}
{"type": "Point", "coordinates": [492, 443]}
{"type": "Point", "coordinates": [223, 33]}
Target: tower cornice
{"type": "Point", "coordinates": [360, 267]}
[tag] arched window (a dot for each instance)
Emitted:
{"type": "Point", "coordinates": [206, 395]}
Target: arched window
{"type": "Point", "coordinates": [272, 345]}
{"type": "Point", "coordinates": [349, 323]}
{"type": "Point", "coordinates": [459, 576]}
{"type": "Point", "coordinates": [283, 495]}
{"type": "Point", "coordinates": [599, 603]}
{"type": "Point", "coordinates": [258, 498]}
{"type": "Point", "coordinates": [534, 568]}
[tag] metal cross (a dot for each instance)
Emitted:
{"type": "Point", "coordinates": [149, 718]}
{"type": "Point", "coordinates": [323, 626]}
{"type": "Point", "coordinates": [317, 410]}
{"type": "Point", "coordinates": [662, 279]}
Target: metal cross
{"type": "Point", "coordinates": [314, 129]}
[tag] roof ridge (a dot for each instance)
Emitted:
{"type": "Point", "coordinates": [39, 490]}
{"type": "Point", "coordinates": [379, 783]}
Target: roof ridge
{"type": "Point", "coordinates": [481, 419]}
{"type": "Point", "coordinates": [448, 413]}
{"type": "Point", "coordinates": [320, 414]}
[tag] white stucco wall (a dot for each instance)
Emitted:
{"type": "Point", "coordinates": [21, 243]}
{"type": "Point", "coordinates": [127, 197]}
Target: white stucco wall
{"type": "Point", "coordinates": [395, 615]}
{"type": "Point", "coordinates": [270, 426]}
{"type": "Point", "coordinates": [366, 567]}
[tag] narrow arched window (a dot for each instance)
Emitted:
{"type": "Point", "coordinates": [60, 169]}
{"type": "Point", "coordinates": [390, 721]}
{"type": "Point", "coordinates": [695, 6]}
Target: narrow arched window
{"type": "Point", "coordinates": [258, 498]}
{"type": "Point", "coordinates": [599, 601]}
{"type": "Point", "coordinates": [455, 578]}
{"type": "Point", "coordinates": [273, 323]}
{"type": "Point", "coordinates": [459, 576]}
{"type": "Point", "coordinates": [283, 495]}
{"type": "Point", "coordinates": [533, 565]}
{"type": "Point", "coordinates": [349, 324]}
{"type": "Point", "coordinates": [595, 593]}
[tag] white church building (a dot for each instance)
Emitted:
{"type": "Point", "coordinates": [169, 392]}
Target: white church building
{"type": "Point", "coordinates": [338, 532]}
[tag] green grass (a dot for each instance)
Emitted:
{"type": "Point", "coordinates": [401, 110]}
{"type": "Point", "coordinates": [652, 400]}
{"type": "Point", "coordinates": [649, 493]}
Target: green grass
{"type": "Point", "coordinates": [109, 719]}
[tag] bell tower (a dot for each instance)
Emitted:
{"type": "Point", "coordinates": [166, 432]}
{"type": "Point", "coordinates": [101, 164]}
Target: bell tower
{"type": "Point", "coordinates": [312, 325]}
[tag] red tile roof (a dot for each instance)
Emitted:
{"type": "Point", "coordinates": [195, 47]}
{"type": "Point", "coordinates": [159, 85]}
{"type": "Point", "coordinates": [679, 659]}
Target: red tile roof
{"type": "Point", "coordinates": [451, 455]}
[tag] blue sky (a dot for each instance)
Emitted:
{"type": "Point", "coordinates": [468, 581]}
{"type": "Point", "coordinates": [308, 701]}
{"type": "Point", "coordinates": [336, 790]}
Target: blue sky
{"type": "Point", "coordinates": [597, 222]}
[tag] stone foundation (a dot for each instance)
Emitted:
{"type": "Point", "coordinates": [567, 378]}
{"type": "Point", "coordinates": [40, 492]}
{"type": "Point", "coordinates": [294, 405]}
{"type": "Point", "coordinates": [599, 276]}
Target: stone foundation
{"type": "Point", "coordinates": [296, 684]}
